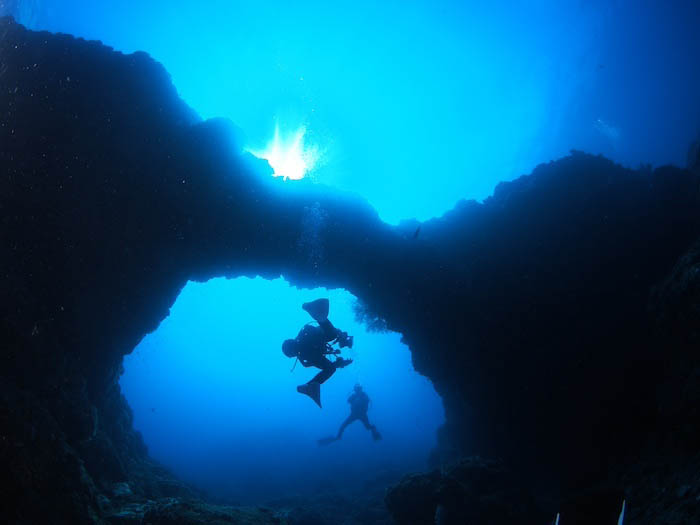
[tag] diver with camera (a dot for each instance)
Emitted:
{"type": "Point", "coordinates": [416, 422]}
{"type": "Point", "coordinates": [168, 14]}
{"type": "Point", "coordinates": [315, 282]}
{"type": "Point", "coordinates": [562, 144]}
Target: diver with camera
{"type": "Point", "coordinates": [312, 346]}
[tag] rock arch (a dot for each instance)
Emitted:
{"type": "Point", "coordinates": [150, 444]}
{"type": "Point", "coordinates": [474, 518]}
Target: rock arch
{"type": "Point", "coordinates": [528, 311]}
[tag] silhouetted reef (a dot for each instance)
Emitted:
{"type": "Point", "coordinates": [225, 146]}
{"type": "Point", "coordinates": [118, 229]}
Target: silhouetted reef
{"type": "Point", "coordinates": [558, 320]}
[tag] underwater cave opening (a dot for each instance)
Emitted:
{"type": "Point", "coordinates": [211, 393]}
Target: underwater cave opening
{"type": "Point", "coordinates": [215, 401]}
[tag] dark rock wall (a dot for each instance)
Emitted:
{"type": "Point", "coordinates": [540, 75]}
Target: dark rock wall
{"type": "Point", "coordinates": [529, 312]}
{"type": "Point", "coordinates": [675, 305]}
{"type": "Point", "coordinates": [473, 490]}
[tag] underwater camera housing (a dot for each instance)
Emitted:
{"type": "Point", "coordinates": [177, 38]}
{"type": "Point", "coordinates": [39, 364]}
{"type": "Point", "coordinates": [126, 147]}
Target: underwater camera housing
{"type": "Point", "coordinates": [344, 340]}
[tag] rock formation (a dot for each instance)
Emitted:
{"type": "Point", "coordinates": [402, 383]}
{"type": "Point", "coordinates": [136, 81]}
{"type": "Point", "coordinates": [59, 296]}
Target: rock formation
{"type": "Point", "coordinates": [532, 313]}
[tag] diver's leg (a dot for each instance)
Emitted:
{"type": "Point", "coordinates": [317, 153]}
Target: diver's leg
{"type": "Point", "coordinates": [330, 332]}
{"type": "Point", "coordinates": [327, 370]}
{"type": "Point", "coordinates": [344, 425]}
{"type": "Point", "coordinates": [375, 433]}
{"type": "Point", "coordinates": [365, 422]}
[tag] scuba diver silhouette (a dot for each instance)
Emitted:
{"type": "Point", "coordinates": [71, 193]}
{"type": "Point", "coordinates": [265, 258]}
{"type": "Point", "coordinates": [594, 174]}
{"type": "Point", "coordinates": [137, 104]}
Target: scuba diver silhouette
{"type": "Point", "coordinates": [359, 403]}
{"type": "Point", "coordinates": [312, 346]}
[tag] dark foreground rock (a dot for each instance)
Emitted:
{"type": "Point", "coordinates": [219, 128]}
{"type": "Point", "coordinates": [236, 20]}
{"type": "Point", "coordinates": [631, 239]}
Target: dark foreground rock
{"type": "Point", "coordinates": [334, 507]}
{"type": "Point", "coordinates": [532, 313]}
{"type": "Point", "coordinates": [174, 511]}
{"type": "Point", "coordinates": [474, 491]}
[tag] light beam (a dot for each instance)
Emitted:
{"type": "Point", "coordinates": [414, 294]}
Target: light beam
{"type": "Point", "coordinates": [289, 156]}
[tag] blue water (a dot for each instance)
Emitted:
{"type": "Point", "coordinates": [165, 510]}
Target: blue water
{"type": "Point", "coordinates": [215, 399]}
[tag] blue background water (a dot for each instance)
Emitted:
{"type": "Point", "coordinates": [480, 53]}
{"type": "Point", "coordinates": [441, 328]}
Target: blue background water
{"type": "Point", "coordinates": [413, 105]}
{"type": "Point", "coordinates": [214, 397]}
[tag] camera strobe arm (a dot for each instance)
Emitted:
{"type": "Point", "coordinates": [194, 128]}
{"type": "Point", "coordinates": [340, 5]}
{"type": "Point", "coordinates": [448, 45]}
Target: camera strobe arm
{"type": "Point", "coordinates": [331, 351]}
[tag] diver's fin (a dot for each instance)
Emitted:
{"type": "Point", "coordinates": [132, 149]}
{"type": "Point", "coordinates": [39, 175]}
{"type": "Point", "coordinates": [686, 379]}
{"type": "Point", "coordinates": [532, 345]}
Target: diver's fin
{"type": "Point", "coordinates": [326, 441]}
{"type": "Point", "coordinates": [317, 309]}
{"type": "Point", "coordinates": [376, 435]}
{"type": "Point", "coordinates": [313, 390]}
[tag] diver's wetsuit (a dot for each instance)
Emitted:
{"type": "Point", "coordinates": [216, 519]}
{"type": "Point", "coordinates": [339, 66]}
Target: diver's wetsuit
{"type": "Point", "coordinates": [312, 345]}
{"type": "Point", "coordinates": [359, 403]}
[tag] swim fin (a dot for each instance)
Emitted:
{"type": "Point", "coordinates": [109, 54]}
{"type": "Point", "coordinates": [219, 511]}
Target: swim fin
{"type": "Point", "coordinates": [317, 309]}
{"type": "Point", "coordinates": [326, 441]}
{"type": "Point", "coordinates": [313, 390]}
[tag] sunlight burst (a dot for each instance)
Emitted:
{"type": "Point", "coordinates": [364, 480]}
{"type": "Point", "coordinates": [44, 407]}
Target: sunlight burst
{"type": "Point", "coordinates": [289, 157]}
